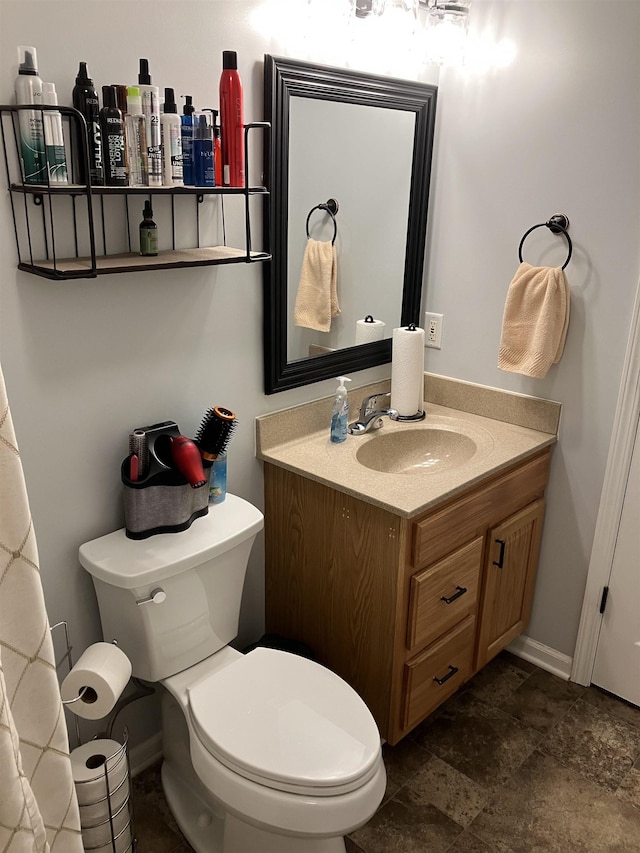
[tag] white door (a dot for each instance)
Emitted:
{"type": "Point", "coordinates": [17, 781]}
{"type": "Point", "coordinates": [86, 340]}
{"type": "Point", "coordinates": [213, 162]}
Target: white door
{"type": "Point", "coordinates": [617, 665]}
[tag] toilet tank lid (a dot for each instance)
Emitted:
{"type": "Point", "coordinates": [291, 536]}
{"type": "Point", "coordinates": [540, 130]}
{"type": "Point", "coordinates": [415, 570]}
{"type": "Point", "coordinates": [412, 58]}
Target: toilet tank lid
{"type": "Point", "coordinates": [130, 563]}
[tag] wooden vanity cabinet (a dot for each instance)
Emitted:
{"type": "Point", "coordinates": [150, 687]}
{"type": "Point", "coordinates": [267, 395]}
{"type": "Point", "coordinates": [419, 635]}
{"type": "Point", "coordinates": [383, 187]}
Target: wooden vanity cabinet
{"type": "Point", "coordinates": [405, 610]}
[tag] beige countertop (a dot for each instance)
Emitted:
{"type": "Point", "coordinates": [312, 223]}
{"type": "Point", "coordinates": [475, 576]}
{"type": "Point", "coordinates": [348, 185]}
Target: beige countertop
{"type": "Point", "coordinates": [298, 439]}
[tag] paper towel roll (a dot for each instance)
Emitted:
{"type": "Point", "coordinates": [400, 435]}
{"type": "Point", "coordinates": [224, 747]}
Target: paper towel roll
{"type": "Point", "coordinates": [407, 370]}
{"type": "Point", "coordinates": [368, 330]}
{"type": "Point", "coordinates": [104, 669]}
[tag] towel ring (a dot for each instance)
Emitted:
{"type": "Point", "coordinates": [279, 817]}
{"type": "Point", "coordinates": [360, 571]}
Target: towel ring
{"type": "Point", "coordinates": [331, 207]}
{"type": "Point", "coordinates": [558, 224]}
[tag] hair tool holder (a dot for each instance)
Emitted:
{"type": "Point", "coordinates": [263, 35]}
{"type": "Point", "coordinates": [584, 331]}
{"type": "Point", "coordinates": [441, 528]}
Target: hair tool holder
{"type": "Point", "coordinates": [331, 207]}
{"type": "Point", "coordinates": [161, 500]}
{"type": "Point", "coordinates": [557, 224]}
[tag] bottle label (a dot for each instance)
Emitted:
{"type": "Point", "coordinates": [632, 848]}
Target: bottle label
{"type": "Point", "coordinates": [148, 241]}
{"type": "Point", "coordinates": [117, 173]}
{"type": "Point", "coordinates": [33, 151]}
{"type": "Point", "coordinates": [57, 162]}
{"type": "Point", "coordinates": [95, 151]}
{"type": "Point", "coordinates": [187, 153]}
{"type": "Point", "coordinates": [218, 481]}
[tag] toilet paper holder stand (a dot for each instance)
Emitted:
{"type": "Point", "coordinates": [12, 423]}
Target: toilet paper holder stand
{"type": "Point", "coordinates": [110, 761]}
{"type": "Point", "coordinates": [140, 692]}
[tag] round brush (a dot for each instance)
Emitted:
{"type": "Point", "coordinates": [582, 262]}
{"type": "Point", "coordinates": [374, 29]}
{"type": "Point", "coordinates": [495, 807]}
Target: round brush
{"type": "Point", "coordinates": [186, 458]}
{"type": "Point", "coordinates": [215, 432]}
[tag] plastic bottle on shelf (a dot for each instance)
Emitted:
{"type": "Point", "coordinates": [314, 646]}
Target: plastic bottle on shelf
{"type": "Point", "coordinates": [112, 128]}
{"type": "Point", "coordinates": [186, 122]}
{"type": "Point", "coordinates": [217, 150]}
{"type": "Point", "coordinates": [85, 100]}
{"type": "Point", "coordinates": [232, 121]}
{"type": "Point", "coordinates": [54, 137]}
{"type": "Point", "coordinates": [135, 138]}
{"type": "Point", "coordinates": [203, 170]}
{"type": "Point", "coordinates": [171, 141]}
{"type": "Point", "coordinates": [151, 108]}
{"type": "Point", "coordinates": [148, 232]}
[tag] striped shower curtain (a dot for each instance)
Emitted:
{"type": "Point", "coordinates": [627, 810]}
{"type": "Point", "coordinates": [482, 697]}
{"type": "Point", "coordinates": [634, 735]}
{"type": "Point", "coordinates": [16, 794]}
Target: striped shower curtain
{"type": "Point", "coordinates": [38, 807]}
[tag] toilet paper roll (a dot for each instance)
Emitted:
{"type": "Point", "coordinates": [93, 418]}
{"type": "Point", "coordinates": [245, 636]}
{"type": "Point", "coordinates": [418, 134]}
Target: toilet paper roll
{"type": "Point", "coordinates": [368, 330]}
{"type": "Point", "coordinates": [99, 769]}
{"type": "Point", "coordinates": [407, 370]}
{"type": "Point", "coordinates": [119, 828]}
{"type": "Point", "coordinates": [104, 670]}
{"type": "Point", "coordinates": [123, 845]}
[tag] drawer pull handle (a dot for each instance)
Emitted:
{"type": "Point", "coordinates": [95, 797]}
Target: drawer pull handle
{"type": "Point", "coordinates": [450, 674]}
{"type": "Point", "coordinates": [500, 561]}
{"type": "Point", "coordinates": [460, 591]}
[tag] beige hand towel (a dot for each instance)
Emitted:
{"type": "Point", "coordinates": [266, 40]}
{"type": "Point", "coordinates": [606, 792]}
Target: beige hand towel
{"type": "Point", "coordinates": [317, 297]}
{"type": "Point", "coordinates": [535, 321]}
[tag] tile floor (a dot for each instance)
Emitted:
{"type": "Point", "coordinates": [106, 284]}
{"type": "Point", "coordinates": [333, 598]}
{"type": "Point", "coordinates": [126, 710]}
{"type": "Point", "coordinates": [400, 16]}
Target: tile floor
{"type": "Point", "coordinates": [518, 761]}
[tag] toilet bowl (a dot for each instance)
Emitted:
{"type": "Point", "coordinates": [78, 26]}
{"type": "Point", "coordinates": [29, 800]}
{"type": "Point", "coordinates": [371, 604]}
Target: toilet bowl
{"type": "Point", "coordinates": [280, 743]}
{"type": "Point", "coordinates": [266, 752]}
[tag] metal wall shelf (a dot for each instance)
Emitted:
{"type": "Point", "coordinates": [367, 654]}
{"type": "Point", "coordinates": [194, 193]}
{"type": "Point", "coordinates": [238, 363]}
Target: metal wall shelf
{"type": "Point", "coordinates": [96, 235]}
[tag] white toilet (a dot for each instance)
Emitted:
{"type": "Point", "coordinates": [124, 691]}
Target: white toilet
{"type": "Point", "coordinates": [266, 752]}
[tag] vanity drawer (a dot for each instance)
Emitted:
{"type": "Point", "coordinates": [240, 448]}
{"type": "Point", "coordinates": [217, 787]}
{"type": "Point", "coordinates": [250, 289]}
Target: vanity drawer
{"type": "Point", "coordinates": [438, 671]}
{"type": "Point", "coordinates": [440, 532]}
{"type": "Point", "coordinates": [444, 594]}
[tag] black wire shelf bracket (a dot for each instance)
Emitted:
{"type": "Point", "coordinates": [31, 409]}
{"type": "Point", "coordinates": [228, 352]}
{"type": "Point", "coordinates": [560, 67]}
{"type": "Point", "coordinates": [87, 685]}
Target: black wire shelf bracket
{"type": "Point", "coordinates": [76, 230]}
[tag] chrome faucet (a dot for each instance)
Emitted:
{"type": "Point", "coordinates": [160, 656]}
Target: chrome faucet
{"type": "Point", "coordinates": [371, 414]}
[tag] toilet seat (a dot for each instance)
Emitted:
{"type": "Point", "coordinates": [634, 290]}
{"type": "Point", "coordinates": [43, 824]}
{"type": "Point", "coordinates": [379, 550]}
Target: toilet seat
{"type": "Point", "coordinates": [286, 723]}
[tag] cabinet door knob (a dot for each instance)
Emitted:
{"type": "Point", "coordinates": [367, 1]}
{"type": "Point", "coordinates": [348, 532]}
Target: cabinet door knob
{"type": "Point", "coordinates": [450, 674]}
{"type": "Point", "coordinates": [460, 591]}
{"type": "Point", "coordinates": [500, 561]}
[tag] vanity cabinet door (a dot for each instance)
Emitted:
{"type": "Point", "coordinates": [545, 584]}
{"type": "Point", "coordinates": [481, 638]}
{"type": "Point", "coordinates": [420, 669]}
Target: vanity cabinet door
{"type": "Point", "coordinates": [509, 578]}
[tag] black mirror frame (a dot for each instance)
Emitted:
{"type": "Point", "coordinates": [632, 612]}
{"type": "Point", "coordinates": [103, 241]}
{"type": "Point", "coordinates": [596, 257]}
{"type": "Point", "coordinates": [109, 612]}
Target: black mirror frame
{"type": "Point", "coordinates": [284, 78]}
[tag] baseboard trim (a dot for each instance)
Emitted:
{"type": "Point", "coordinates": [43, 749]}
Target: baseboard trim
{"type": "Point", "coordinates": [543, 656]}
{"type": "Point", "coordinates": [145, 754]}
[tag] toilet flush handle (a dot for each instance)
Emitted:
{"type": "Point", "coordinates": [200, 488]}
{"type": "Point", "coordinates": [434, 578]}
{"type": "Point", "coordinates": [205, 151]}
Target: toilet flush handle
{"type": "Point", "coordinates": [157, 596]}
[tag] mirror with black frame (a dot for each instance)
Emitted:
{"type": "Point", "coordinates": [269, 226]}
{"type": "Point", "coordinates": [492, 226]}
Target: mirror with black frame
{"type": "Point", "coordinates": [364, 142]}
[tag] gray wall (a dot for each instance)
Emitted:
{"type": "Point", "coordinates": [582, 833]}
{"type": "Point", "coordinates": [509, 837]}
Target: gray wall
{"type": "Point", "coordinates": [557, 130]}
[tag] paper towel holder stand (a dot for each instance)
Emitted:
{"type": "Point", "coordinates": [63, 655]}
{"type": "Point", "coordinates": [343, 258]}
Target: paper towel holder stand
{"type": "Point", "coordinates": [420, 414]}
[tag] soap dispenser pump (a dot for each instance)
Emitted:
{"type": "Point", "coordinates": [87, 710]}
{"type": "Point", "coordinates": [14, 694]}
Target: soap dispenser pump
{"type": "Point", "coordinates": [340, 414]}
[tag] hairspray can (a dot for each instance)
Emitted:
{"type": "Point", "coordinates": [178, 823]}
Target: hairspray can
{"type": "Point", "coordinates": [29, 91]}
{"type": "Point", "coordinates": [232, 121]}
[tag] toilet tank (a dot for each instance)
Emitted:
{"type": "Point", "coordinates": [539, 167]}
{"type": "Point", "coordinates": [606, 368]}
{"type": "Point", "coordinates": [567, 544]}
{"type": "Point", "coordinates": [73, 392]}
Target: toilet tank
{"type": "Point", "coordinates": [173, 599]}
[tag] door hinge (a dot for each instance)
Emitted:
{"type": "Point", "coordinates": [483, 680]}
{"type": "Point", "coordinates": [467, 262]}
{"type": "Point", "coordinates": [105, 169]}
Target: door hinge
{"type": "Point", "coordinates": [603, 600]}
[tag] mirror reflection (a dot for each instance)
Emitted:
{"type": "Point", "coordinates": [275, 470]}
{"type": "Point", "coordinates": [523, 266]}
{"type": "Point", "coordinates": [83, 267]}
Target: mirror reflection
{"type": "Point", "coordinates": [361, 156]}
{"type": "Point", "coordinates": [366, 142]}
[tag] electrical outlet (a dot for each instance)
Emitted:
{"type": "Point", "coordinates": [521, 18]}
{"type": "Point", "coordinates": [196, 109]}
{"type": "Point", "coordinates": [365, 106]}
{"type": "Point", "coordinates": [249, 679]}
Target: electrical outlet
{"type": "Point", "coordinates": [433, 330]}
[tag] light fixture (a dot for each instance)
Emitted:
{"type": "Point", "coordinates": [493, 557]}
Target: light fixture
{"type": "Point", "coordinates": [364, 8]}
{"type": "Point", "coordinates": [446, 31]}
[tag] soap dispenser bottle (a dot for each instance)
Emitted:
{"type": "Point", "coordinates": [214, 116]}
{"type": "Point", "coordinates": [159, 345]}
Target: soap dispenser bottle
{"type": "Point", "coordinates": [340, 414]}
